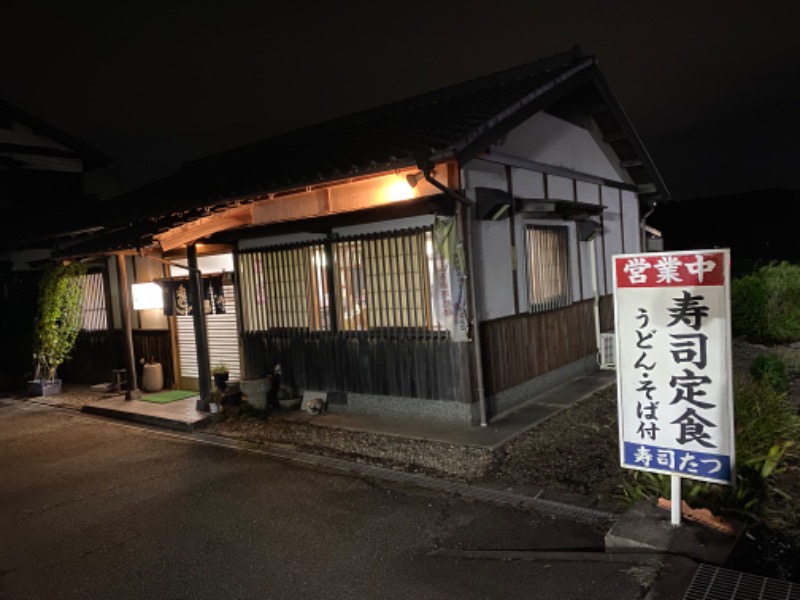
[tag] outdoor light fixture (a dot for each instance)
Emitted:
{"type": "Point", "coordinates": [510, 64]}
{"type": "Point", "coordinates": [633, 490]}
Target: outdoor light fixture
{"type": "Point", "coordinates": [414, 178]}
{"type": "Point", "coordinates": [146, 296]}
{"type": "Point", "coordinates": [589, 229]}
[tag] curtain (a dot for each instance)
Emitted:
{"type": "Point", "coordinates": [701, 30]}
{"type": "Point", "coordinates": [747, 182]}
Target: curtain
{"type": "Point", "coordinates": [176, 296]}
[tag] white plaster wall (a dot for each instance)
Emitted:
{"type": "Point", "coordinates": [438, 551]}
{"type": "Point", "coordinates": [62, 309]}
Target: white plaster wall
{"type": "Point", "coordinates": [560, 188]}
{"type": "Point", "coordinates": [630, 220]}
{"type": "Point", "coordinates": [550, 140]}
{"type": "Point", "coordinates": [25, 136]}
{"type": "Point", "coordinates": [589, 193]}
{"type": "Point", "coordinates": [493, 269]}
{"type": "Point", "coordinates": [612, 232]}
{"type": "Point", "coordinates": [21, 259]}
{"type": "Point", "coordinates": [482, 174]}
{"type": "Point", "coordinates": [494, 283]}
{"type": "Point", "coordinates": [527, 184]}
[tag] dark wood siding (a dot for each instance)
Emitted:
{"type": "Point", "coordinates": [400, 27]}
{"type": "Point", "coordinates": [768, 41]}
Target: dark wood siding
{"type": "Point", "coordinates": [522, 347]}
{"type": "Point", "coordinates": [418, 368]}
{"type": "Point", "coordinates": [96, 353]}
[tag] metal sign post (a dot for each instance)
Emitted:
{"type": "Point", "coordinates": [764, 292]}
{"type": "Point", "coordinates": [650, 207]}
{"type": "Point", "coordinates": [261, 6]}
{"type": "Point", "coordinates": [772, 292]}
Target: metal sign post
{"type": "Point", "coordinates": [675, 498]}
{"type": "Point", "coordinates": [674, 374]}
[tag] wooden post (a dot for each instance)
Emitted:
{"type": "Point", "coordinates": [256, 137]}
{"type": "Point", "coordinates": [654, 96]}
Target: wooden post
{"type": "Point", "coordinates": [200, 332]}
{"type": "Point", "coordinates": [132, 392]}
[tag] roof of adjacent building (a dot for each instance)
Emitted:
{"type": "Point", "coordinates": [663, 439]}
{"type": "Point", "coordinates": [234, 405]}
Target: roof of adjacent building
{"type": "Point", "coordinates": [91, 157]}
{"type": "Point", "coordinates": [454, 123]}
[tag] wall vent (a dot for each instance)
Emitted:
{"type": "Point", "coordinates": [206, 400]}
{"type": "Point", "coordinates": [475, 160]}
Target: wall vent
{"type": "Point", "coordinates": [607, 350]}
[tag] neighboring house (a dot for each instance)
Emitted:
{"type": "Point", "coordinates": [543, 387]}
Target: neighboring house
{"type": "Point", "coordinates": [444, 257]}
{"type": "Point", "coordinates": [47, 181]}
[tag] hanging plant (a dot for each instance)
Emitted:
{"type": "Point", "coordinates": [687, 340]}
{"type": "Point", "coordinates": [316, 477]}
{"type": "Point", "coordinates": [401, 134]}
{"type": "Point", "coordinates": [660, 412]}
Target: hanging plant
{"type": "Point", "coordinates": [59, 317]}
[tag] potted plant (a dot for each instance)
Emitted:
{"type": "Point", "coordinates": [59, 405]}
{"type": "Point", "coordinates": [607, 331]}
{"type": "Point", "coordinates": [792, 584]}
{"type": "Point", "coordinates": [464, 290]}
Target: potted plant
{"type": "Point", "coordinates": [220, 373]}
{"type": "Point", "coordinates": [215, 401]}
{"type": "Point", "coordinates": [289, 398]}
{"type": "Point", "coordinates": [58, 322]}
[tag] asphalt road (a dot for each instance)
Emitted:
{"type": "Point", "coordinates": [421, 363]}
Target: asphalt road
{"type": "Point", "coordinates": [91, 508]}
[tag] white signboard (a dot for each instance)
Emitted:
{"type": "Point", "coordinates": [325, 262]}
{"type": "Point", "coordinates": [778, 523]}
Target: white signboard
{"type": "Point", "coordinates": [673, 351]}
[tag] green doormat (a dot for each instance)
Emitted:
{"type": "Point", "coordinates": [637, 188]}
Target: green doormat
{"type": "Point", "coordinates": [168, 396]}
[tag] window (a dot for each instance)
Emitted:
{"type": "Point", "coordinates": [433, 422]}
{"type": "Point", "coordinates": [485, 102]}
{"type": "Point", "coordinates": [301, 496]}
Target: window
{"type": "Point", "coordinates": [380, 282]}
{"type": "Point", "coordinates": [94, 303]}
{"type": "Point", "coordinates": [384, 282]}
{"type": "Point", "coordinates": [284, 288]}
{"type": "Point", "coordinates": [548, 267]}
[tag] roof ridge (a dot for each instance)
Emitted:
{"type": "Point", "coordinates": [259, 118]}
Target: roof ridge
{"type": "Point", "coordinates": [43, 127]}
{"type": "Point", "coordinates": [572, 56]}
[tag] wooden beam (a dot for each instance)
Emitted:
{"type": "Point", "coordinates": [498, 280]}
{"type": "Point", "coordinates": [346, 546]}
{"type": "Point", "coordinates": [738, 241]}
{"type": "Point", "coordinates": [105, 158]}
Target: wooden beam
{"type": "Point", "coordinates": [618, 136]}
{"type": "Point", "coordinates": [530, 165]}
{"type": "Point", "coordinates": [627, 164]}
{"type": "Point", "coordinates": [205, 226]}
{"type": "Point", "coordinates": [599, 108]}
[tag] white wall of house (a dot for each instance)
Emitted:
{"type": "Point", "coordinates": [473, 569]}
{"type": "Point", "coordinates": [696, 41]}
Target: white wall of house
{"type": "Point", "coordinates": [552, 141]}
{"type": "Point", "coordinates": [24, 136]}
{"type": "Point", "coordinates": [493, 259]}
{"type": "Point", "coordinates": [630, 223]}
{"type": "Point", "coordinates": [611, 241]}
{"type": "Point", "coordinates": [22, 259]}
{"type": "Point", "coordinates": [589, 193]}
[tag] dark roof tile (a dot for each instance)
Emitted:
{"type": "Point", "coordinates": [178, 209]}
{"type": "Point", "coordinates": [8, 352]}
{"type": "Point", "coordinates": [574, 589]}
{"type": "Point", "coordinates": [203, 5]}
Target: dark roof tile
{"type": "Point", "coordinates": [450, 123]}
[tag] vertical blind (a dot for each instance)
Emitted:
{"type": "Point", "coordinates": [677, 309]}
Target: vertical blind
{"type": "Point", "coordinates": [94, 303]}
{"type": "Point", "coordinates": [223, 339]}
{"type": "Point", "coordinates": [284, 288]}
{"type": "Point", "coordinates": [548, 267]}
{"type": "Point", "coordinates": [380, 283]}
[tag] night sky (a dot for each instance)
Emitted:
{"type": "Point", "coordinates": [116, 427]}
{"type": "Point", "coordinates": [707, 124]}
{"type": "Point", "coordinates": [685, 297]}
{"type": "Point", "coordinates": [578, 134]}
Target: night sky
{"type": "Point", "coordinates": [713, 88]}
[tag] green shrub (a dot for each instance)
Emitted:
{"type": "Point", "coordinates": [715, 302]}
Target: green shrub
{"type": "Point", "coordinates": [771, 369]}
{"type": "Point", "coordinates": [58, 318]}
{"type": "Point", "coordinates": [765, 305]}
{"type": "Point", "coordinates": [767, 428]}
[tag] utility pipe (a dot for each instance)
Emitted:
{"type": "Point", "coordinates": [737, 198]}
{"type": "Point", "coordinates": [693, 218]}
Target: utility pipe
{"type": "Point", "coordinates": [476, 336]}
{"type": "Point", "coordinates": [642, 225]}
{"type": "Point", "coordinates": [596, 294]}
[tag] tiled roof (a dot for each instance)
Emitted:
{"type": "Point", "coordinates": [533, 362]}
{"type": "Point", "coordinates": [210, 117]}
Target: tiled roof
{"type": "Point", "coordinates": [440, 124]}
{"type": "Point", "coordinates": [455, 122]}
{"type": "Point", "coordinates": [91, 157]}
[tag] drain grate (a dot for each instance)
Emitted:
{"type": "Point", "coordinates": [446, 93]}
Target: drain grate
{"type": "Point", "coordinates": [716, 583]}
